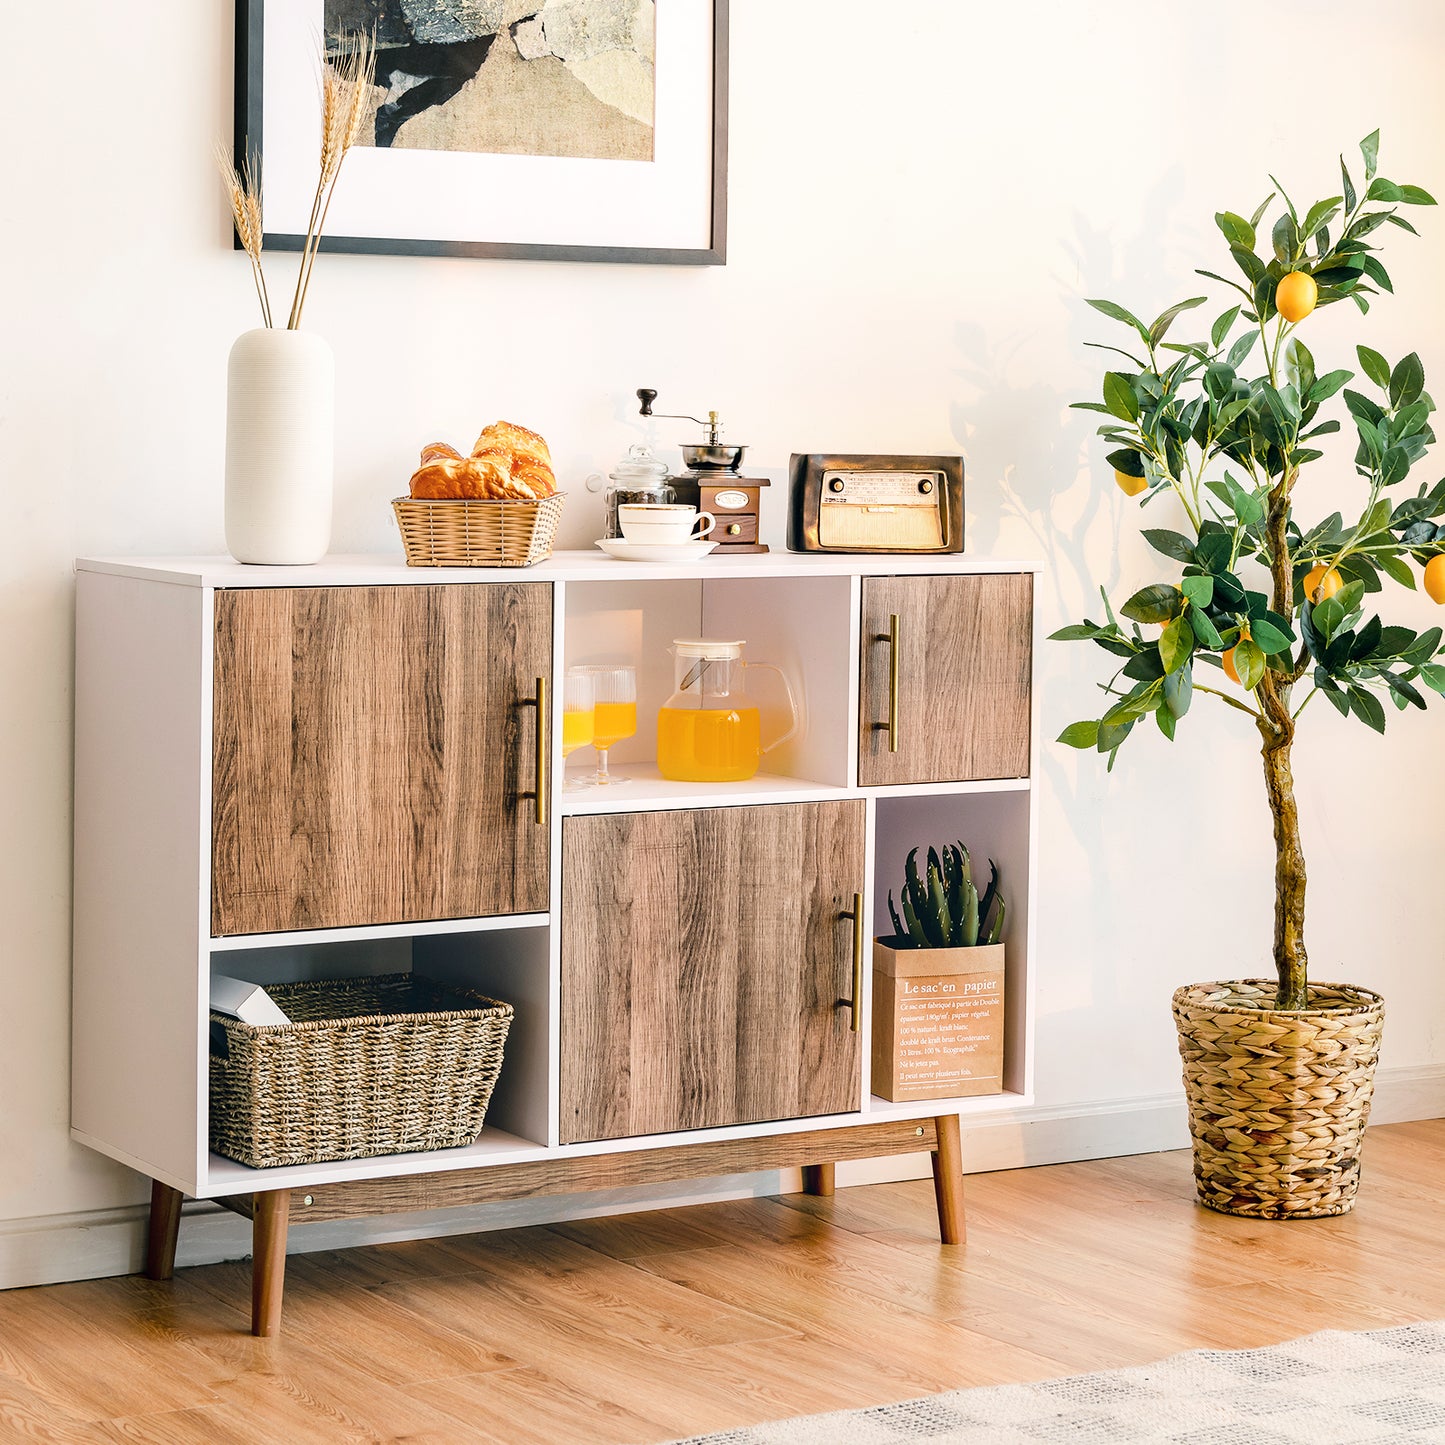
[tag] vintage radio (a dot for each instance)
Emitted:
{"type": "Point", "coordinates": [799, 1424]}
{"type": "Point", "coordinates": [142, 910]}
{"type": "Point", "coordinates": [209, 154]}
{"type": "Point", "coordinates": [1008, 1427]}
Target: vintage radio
{"type": "Point", "coordinates": [875, 504]}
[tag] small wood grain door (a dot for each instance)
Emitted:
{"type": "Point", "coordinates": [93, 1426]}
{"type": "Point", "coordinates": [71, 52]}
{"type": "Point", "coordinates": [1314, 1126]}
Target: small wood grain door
{"type": "Point", "coordinates": [375, 754]}
{"type": "Point", "coordinates": [704, 958]}
{"type": "Point", "coordinates": [964, 666]}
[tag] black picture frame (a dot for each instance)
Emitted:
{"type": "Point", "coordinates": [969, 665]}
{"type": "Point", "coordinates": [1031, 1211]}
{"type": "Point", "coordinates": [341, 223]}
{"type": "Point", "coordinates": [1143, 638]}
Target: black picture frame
{"type": "Point", "coordinates": [250, 136]}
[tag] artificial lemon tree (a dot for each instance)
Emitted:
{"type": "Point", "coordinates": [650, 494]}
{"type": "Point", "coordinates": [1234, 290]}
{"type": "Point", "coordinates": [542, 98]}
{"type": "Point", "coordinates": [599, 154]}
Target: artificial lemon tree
{"type": "Point", "coordinates": [1272, 608]}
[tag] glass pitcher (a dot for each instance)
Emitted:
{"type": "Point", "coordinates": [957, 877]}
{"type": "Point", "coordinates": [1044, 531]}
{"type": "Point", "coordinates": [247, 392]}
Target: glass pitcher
{"type": "Point", "coordinates": [708, 731]}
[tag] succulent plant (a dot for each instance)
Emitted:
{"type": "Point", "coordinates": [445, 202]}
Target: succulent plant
{"type": "Point", "coordinates": [943, 909]}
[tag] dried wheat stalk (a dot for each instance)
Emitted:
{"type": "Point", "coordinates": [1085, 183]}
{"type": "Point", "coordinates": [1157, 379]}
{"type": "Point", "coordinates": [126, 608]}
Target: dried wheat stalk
{"type": "Point", "coordinates": [345, 84]}
{"type": "Point", "coordinates": [243, 190]}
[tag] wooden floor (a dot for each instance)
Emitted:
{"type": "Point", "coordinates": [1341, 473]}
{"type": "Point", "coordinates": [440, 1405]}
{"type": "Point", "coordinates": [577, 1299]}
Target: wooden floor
{"type": "Point", "coordinates": [652, 1326]}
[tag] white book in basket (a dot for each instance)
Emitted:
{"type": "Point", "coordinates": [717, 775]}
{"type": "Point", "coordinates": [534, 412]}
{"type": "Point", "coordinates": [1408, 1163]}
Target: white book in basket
{"type": "Point", "coordinates": [248, 1002]}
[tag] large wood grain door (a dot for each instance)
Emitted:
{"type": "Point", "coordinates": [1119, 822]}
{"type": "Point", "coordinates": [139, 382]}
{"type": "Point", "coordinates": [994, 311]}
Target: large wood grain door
{"type": "Point", "coordinates": [963, 668]}
{"type": "Point", "coordinates": [706, 964]}
{"type": "Point", "coordinates": [376, 754]}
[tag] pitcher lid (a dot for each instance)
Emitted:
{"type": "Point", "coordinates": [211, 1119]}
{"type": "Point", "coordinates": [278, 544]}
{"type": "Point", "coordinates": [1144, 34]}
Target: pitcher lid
{"type": "Point", "coordinates": [712, 648]}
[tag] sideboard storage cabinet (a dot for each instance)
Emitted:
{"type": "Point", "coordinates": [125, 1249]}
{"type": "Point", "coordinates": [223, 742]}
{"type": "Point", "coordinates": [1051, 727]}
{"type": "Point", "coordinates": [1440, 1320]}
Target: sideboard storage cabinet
{"type": "Point", "coordinates": [354, 770]}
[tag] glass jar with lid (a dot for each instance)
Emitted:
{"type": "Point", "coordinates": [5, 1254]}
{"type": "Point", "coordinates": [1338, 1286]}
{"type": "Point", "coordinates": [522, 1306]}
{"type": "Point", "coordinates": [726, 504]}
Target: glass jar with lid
{"type": "Point", "coordinates": [638, 477]}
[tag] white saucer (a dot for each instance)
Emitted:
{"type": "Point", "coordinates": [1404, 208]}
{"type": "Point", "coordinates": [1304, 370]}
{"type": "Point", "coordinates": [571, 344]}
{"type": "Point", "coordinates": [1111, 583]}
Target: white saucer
{"type": "Point", "coordinates": [626, 551]}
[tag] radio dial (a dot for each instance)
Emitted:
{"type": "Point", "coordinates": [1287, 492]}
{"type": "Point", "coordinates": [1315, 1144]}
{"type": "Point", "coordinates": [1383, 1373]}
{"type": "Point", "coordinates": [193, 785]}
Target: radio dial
{"type": "Point", "coordinates": [836, 485]}
{"type": "Point", "coordinates": [925, 487]}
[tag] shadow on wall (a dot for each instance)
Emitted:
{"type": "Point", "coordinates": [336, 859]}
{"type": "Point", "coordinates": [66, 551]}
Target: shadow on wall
{"type": "Point", "coordinates": [1036, 468]}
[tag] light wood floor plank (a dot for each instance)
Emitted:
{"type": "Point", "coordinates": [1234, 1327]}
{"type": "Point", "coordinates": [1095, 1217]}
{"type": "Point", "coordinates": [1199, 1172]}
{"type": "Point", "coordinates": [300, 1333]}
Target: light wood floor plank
{"type": "Point", "coordinates": [639, 1329]}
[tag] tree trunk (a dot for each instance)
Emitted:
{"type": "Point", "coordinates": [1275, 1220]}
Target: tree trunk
{"type": "Point", "coordinates": [1276, 727]}
{"type": "Point", "coordinates": [1290, 961]}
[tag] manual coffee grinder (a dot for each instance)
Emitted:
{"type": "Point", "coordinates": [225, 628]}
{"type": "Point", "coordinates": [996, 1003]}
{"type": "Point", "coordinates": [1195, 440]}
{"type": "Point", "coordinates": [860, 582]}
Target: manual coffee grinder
{"type": "Point", "coordinates": [711, 483]}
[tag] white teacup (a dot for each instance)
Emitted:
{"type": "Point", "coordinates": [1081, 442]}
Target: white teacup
{"type": "Point", "coordinates": [663, 524]}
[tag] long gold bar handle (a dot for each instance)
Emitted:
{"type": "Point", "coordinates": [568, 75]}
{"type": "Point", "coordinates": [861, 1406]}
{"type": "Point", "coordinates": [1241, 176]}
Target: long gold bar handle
{"type": "Point", "coordinates": [855, 1004]}
{"type": "Point", "coordinates": [891, 638]}
{"type": "Point", "coordinates": [542, 751]}
{"type": "Point", "coordinates": [893, 682]}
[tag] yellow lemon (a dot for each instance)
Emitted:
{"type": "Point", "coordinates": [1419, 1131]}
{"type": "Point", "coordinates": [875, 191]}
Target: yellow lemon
{"type": "Point", "coordinates": [1130, 486]}
{"type": "Point", "coordinates": [1229, 670]}
{"type": "Point", "coordinates": [1295, 295]}
{"type": "Point", "coordinates": [1435, 578]}
{"type": "Point", "coordinates": [1326, 583]}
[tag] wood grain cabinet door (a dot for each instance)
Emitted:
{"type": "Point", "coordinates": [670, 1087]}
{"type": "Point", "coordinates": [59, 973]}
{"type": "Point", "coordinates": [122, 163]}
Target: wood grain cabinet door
{"type": "Point", "coordinates": [963, 666]}
{"type": "Point", "coordinates": [375, 755]}
{"type": "Point", "coordinates": [704, 957]}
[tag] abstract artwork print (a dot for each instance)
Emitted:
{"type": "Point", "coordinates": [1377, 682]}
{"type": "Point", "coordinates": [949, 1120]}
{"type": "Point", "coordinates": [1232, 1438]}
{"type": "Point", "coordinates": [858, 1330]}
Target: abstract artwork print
{"type": "Point", "coordinates": [568, 78]}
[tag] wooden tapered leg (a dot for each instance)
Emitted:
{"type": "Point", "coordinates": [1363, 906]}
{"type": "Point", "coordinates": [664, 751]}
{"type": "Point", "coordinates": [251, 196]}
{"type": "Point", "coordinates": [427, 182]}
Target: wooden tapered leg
{"type": "Point", "coordinates": [272, 1210]}
{"type": "Point", "coordinates": [948, 1180]}
{"type": "Point", "coordinates": [165, 1227]}
{"type": "Point", "coordinates": [818, 1179]}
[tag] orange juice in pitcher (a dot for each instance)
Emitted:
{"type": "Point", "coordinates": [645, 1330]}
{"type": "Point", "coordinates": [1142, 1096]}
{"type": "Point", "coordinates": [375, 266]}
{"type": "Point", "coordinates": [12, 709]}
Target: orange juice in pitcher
{"type": "Point", "coordinates": [708, 731]}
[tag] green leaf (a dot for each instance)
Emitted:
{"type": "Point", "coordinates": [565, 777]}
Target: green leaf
{"type": "Point", "coordinates": [1155, 603]}
{"type": "Point", "coordinates": [1176, 645]}
{"type": "Point", "coordinates": [1199, 590]}
{"type": "Point", "coordinates": [1393, 466]}
{"type": "Point", "coordinates": [1383, 190]}
{"type": "Point", "coordinates": [1432, 674]}
{"type": "Point", "coordinates": [1166, 720]}
{"type": "Point", "coordinates": [1328, 384]}
{"type": "Point", "coordinates": [1402, 223]}
{"type": "Point", "coordinates": [1119, 396]}
{"type": "Point", "coordinates": [1179, 692]}
{"type": "Point", "coordinates": [1222, 325]}
{"type": "Point", "coordinates": [1374, 365]}
{"type": "Point", "coordinates": [1249, 263]}
{"type": "Point", "coordinates": [1348, 186]}
{"type": "Point", "coordinates": [1414, 196]}
{"type": "Point", "coordinates": [1370, 149]}
{"type": "Point", "coordinates": [1080, 735]}
{"type": "Point", "coordinates": [1171, 544]}
{"type": "Point", "coordinates": [1366, 707]}
{"type": "Point", "coordinates": [1289, 204]}
{"type": "Point", "coordinates": [1377, 273]}
{"type": "Point", "coordinates": [1116, 312]}
{"type": "Point", "coordinates": [1407, 380]}
{"type": "Point", "coordinates": [1270, 639]}
{"type": "Point", "coordinates": [1237, 231]}
{"type": "Point", "coordinates": [1259, 211]}
{"type": "Point", "coordinates": [1241, 348]}
{"type": "Point", "coordinates": [1126, 460]}
{"type": "Point", "coordinates": [1205, 632]}
{"type": "Point", "coordinates": [1165, 319]}
{"type": "Point", "coordinates": [1320, 214]}
{"type": "Point", "coordinates": [1248, 663]}
{"type": "Point", "coordinates": [1397, 569]}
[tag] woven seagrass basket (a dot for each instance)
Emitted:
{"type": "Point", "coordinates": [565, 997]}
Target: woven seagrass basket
{"type": "Point", "coordinates": [385, 1065]}
{"type": "Point", "coordinates": [477, 533]}
{"type": "Point", "coordinates": [1278, 1098]}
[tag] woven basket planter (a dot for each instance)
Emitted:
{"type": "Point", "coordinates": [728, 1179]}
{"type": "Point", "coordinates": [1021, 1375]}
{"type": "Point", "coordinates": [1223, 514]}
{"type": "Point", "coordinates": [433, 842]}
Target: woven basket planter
{"type": "Point", "coordinates": [1278, 1098]}
{"type": "Point", "coordinates": [367, 1066]}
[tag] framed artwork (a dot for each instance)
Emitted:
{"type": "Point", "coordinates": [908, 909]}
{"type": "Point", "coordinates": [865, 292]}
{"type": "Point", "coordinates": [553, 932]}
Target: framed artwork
{"type": "Point", "coordinates": [565, 130]}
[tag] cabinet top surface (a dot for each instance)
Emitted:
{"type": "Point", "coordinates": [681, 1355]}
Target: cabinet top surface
{"type": "Point", "coordinates": [384, 569]}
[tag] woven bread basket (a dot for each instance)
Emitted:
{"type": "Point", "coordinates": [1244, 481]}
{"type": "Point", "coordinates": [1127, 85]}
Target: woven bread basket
{"type": "Point", "coordinates": [386, 1065]}
{"type": "Point", "coordinates": [477, 533]}
{"type": "Point", "coordinates": [1278, 1098]}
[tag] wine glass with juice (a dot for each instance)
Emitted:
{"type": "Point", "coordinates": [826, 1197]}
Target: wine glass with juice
{"type": "Point", "coordinates": [615, 693]}
{"type": "Point", "coordinates": [579, 721]}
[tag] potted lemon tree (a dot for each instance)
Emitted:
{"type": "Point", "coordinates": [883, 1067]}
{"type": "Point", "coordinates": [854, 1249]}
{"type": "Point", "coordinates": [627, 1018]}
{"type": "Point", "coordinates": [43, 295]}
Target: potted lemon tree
{"type": "Point", "coordinates": [1263, 610]}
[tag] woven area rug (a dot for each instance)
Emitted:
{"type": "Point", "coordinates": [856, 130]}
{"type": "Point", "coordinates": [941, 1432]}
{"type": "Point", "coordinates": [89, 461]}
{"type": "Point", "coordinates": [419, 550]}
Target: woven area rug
{"type": "Point", "coordinates": [1328, 1389]}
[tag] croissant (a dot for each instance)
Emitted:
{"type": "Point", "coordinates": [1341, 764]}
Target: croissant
{"type": "Point", "coordinates": [513, 438]}
{"type": "Point", "coordinates": [471, 477]}
{"type": "Point", "coordinates": [439, 452]}
{"type": "Point", "coordinates": [537, 477]}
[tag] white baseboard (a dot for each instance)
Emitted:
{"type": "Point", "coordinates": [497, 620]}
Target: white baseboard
{"type": "Point", "coordinates": [53, 1248]}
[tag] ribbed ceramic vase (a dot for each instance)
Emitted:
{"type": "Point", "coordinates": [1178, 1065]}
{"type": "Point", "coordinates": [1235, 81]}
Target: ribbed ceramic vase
{"type": "Point", "coordinates": [280, 430]}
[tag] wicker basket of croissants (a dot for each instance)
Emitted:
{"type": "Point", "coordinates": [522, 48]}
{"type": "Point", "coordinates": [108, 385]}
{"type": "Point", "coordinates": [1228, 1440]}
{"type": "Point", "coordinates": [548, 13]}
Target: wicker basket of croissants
{"type": "Point", "coordinates": [498, 507]}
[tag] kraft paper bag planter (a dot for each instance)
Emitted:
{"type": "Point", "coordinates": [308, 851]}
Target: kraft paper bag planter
{"type": "Point", "coordinates": [937, 1021]}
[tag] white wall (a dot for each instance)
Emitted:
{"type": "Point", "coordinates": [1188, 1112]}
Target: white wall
{"type": "Point", "coordinates": [920, 197]}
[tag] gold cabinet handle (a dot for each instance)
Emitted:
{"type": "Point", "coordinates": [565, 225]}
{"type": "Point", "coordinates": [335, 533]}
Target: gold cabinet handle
{"type": "Point", "coordinates": [891, 638]}
{"type": "Point", "coordinates": [542, 751]}
{"type": "Point", "coordinates": [854, 1005]}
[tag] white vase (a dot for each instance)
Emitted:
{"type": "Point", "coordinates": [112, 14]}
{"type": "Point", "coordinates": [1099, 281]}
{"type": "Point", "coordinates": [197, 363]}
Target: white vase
{"type": "Point", "coordinates": [280, 427]}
